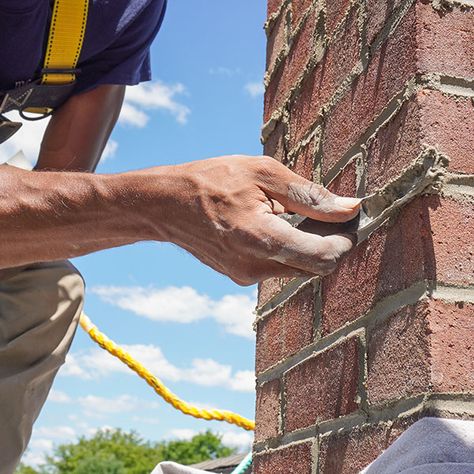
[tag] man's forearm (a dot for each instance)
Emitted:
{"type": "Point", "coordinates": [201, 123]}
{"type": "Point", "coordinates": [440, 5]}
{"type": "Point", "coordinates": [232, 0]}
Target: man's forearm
{"type": "Point", "coordinates": [49, 216]}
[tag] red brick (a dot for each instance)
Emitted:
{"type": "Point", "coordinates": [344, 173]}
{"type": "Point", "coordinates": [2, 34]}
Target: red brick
{"type": "Point", "coordinates": [267, 289]}
{"type": "Point", "coordinates": [452, 350]}
{"type": "Point", "coordinates": [277, 39]}
{"type": "Point", "coordinates": [277, 91]}
{"type": "Point", "coordinates": [395, 146]}
{"type": "Point", "coordinates": [392, 65]}
{"type": "Point", "coordinates": [286, 330]}
{"type": "Point", "coordinates": [379, 13]}
{"type": "Point", "coordinates": [275, 144]}
{"type": "Point", "coordinates": [449, 240]}
{"type": "Point", "coordinates": [335, 11]}
{"type": "Point", "coordinates": [446, 41]}
{"type": "Point", "coordinates": [452, 131]}
{"type": "Point", "coordinates": [294, 459]}
{"type": "Point", "coordinates": [421, 348]}
{"type": "Point", "coordinates": [418, 123]}
{"type": "Point", "coordinates": [273, 6]}
{"type": "Point", "coordinates": [390, 260]}
{"type": "Point", "coordinates": [398, 356]}
{"type": "Point", "coordinates": [341, 56]}
{"type": "Point", "coordinates": [323, 387]}
{"type": "Point", "coordinates": [345, 183]}
{"type": "Point", "coordinates": [303, 163]}
{"type": "Point", "coordinates": [419, 245]}
{"type": "Point", "coordinates": [349, 452]}
{"type": "Point", "coordinates": [299, 8]}
{"type": "Point", "coordinates": [268, 411]}
{"type": "Point", "coordinates": [302, 48]}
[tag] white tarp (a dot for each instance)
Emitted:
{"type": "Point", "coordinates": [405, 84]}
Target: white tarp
{"type": "Point", "coordinates": [430, 446]}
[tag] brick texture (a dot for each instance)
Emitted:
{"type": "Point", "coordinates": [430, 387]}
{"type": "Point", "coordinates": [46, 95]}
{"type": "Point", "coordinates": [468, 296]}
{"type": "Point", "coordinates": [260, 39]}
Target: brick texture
{"type": "Point", "coordinates": [400, 254]}
{"type": "Point", "coordinates": [323, 387]}
{"type": "Point", "coordinates": [340, 58]}
{"type": "Point", "coordinates": [392, 65]}
{"type": "Point", "coordinates": [286, 330]}
{"type": "Point", "coordinates": [268, 411]}
{"type": "Point", "coordinates": [421, 348]}
{"type": "Point", "coordinates": [368, 85]}
{"type": "Point", "coordinates": [295, 459]}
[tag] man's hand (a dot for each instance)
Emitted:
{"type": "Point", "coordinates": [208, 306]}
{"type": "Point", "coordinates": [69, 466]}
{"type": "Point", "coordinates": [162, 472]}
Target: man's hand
{"type": "Point", "coordinates": [225, 210]}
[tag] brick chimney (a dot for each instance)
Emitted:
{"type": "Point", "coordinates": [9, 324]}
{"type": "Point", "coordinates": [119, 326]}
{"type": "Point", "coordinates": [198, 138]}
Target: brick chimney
{"type": "Point", "coordinates": [356, 90]}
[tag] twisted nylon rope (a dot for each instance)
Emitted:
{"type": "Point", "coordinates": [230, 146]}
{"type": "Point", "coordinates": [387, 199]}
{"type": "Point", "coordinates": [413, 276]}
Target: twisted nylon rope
{"type": "Point", "coordinates": [220, 415]}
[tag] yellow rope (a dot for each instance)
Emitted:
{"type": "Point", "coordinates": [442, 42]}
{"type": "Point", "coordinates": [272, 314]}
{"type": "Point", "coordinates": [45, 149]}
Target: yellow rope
{"type": "Point", "coordinates": [157, 384]}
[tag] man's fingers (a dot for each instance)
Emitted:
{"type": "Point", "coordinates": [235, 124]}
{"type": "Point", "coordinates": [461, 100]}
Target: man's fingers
{"type": "Point", "coordinates": [304, 197]}
{"type": "Point", "coordinates": [310, 253]}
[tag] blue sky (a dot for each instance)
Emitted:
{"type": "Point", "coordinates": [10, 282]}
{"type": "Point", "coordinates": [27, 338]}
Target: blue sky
{"type": "Point", "coordinates": [190, 325]}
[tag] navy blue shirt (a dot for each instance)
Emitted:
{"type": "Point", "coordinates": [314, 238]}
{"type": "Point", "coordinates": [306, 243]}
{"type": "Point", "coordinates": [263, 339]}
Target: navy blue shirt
{"type": "Point", "coordinates": [116, 47]}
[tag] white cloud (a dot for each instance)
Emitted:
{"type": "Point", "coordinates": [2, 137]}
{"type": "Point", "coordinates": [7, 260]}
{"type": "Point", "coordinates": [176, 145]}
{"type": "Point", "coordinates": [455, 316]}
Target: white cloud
{"type": "Point", "coordinates": [224, 71]}
{"type": "Point", "coordinates": [255, 89]}
{"type": "Point", "coordinates": [110, 150]}
{"type": "Point", "coordinates": [56, 432]}
{"type": "Point", "coordinates": [204, 372]}
{"type": "Point", "coordinates": [58, 397]}
{"type": "Point", "coordinates": [243, 381]}
{"type": "Point", "coordinates": [153, 96]}
{"type": "Point", "coordinates": [93, 405]}
{"type": "Point", "coordinates": [235, 313]}
{"type": "Point", "coordinates": [182, 433]}
{"type": "Point", "coordinates": [241, 440]}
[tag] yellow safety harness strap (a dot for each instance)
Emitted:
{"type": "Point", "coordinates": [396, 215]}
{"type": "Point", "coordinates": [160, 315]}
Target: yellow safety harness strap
{"type": "Point", "coordinates": [66, 36]}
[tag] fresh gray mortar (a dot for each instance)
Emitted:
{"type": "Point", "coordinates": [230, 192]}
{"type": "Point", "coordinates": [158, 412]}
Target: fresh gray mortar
{"type": "Point", "coordinates": [425, 176]}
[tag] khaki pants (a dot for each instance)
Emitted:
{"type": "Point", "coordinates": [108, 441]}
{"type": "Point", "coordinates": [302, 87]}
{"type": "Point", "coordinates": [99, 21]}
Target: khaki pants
{"type": "Point", "coordinates": [39, 311]}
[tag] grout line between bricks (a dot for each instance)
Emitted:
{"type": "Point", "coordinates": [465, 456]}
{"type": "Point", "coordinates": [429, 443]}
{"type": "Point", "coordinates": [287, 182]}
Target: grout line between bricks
{"type": "Point", "coordinates": [453, 294]}
{"type": "Point", "coordinates": [447, 404]}
{"type": "Point", "coordinates": [381, 310]}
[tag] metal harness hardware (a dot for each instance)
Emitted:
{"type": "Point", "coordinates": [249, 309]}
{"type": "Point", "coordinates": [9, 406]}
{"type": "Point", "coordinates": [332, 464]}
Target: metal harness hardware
{"type": "Point", "coordinates": [55, 85]}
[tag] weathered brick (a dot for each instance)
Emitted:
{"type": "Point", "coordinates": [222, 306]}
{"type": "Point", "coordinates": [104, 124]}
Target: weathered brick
{"type": "Point", "coordinates": [419, 245]}
{"type": "Point", "coordinates": [299, 8]}
{"type": "Point", "coordinates": [452, 351]}
{"type": "Point", "coordinates": [452, 252]}
{"type": "Point", "coordinates": [419, 122]}
{"type": "Point", "coordinates": [277, 90]}
{"type": "Point", "coordinates": [335, 11]}
{"type": "Point", "coordinates": [267, 289]}
{"type": "Point", "coordinates": [395, 146]}
{"type": "Point", "coordinates": [303, 163]}
{"type": "Point", "coordinates": [302, 47]}
{"type": "Point", "coordinates": [294, 459]}
{"type": "Point", "coordinates": [421, 348]}
{"type": "Point", "coordinates": [392, 65]}
{"type": "Point", "coordinates": [323, 387]}
{"type": "Point", "coordinates": [349, 452]}
{"type": "Point", "coordinates": [390, 260]}
{"type": "Point", "coordinates": [277, 39]}
{"type": "Point", "coordinates": [452, 130]}
{"type": "Point", "coordinates": [273, 6]}
{"type": "Point", "coordinates": [379, 13]}
{"type": "Point", "coordinates": [268, 411]}
{"type": "Point", "coordinates": [286, 330]}
{"type": "Point", "coordinates": [398, 356]}
{"type": "Point", "coordinates": [446, 41]}
{"type": "Point", "coordinates": [275, 144]}
{"type": "Point", "coordinates": [345, 183]}
{"type": "Point", "coordinates": [340, 57]}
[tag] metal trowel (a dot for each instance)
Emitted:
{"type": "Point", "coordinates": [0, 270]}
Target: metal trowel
{"type": "Point", "coordinates": [425, 175]}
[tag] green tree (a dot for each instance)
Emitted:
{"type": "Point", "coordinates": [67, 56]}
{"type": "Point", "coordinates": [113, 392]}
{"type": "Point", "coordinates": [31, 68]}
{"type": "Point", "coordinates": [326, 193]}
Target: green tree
{"type": "Point", "coordinates": [119, 452]}
{"type": "Point", "coordinates": [201, 447]}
